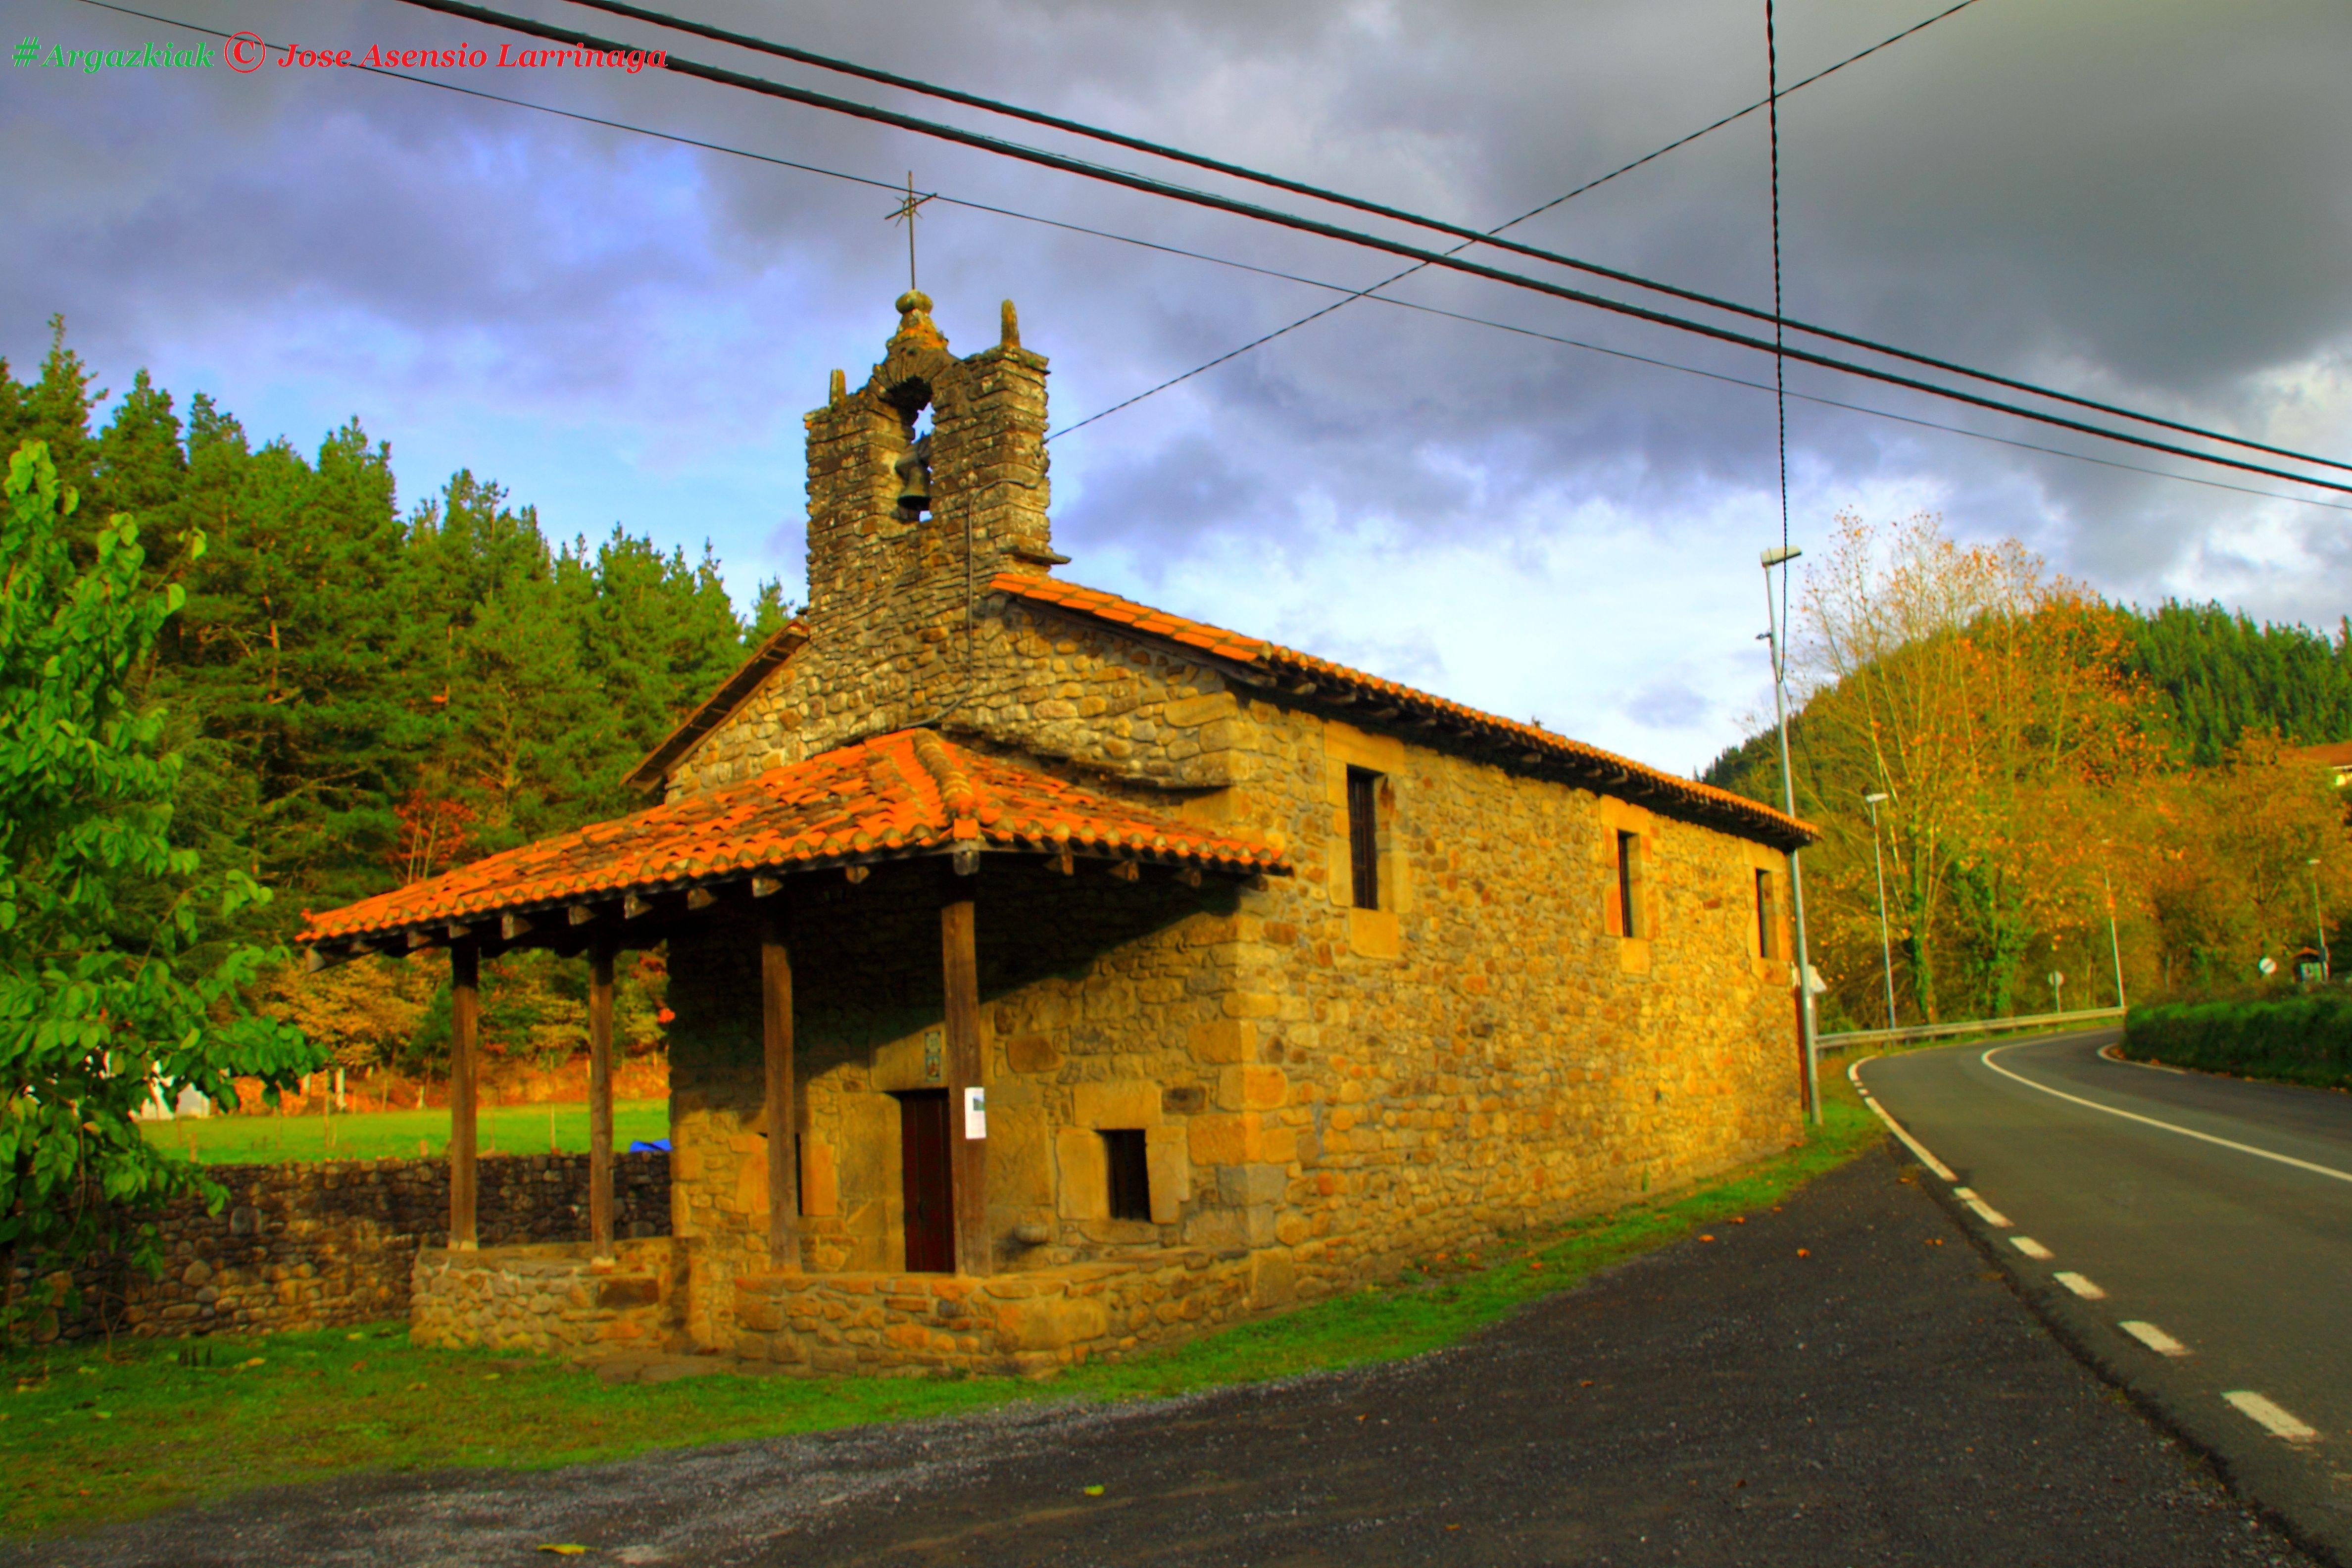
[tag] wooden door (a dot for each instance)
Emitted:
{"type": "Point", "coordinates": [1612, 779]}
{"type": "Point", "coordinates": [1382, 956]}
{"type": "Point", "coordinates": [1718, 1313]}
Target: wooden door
{"type": "Point", "coordinates": [929, 1188]}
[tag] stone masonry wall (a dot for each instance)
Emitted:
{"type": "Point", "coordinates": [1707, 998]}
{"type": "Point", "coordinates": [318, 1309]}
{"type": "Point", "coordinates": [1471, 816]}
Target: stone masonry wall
{"type": "Point", "coordinates": [310, 1245]}
{"type": "Point", "coordinates": [1028, 1324]}
{"type": "Point", "coordinates": [550, 1300]}
{"type": "Point", "coordinates": [1324, 1091]}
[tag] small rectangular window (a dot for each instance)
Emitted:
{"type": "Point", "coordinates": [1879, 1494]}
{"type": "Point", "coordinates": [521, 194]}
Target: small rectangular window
{"type": "Point", "coordinates": [1130, 1174]}
{"type": "Point", "coordinates": [1629, 885]}
{"type": "Point", "coordinates": [1364, 836]}
{"type": "Point", "coordinates": [1767, 916]}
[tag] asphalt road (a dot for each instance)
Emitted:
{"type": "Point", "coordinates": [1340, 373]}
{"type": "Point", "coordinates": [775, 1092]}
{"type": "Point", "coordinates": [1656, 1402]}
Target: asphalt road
{"type": "Point", "coordinates": [1841, 1383]}
{"type": "Point", "coordinates": [2241, 1256]}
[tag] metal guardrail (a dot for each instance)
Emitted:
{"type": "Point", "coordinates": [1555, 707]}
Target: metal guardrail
{"type": "Point", "coordinates": [1845, 1037]}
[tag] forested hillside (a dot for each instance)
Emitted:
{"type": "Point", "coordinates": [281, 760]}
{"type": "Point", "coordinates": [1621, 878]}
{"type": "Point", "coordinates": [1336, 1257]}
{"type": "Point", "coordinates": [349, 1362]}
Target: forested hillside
{"type": "Point", "coordinates": [2043, 756]}
{"type": "Point", "coordinates": [369, 694]}
{"type": "Point", "coordinates": [365, 693]}
{"type": "Point", "coordinates": [2222, 675]}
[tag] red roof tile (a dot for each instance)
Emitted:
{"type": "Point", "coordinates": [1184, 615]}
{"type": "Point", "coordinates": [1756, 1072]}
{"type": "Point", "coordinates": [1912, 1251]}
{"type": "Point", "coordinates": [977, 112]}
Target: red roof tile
{"type": "Point", "coordinates": [902, 793]}
{"type": "Point", "coordinates": [1664, 789]}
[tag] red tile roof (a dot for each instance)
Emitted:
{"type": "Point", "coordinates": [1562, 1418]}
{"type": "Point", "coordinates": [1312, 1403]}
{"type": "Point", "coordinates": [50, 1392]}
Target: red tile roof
{"type": "Point", "coordinates": [1619, 775]}
{"type": "Point", "coordinates": [904, 794]}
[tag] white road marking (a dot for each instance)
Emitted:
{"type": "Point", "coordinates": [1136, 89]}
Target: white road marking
{"type": "Point", "coordinates": [2270, 1416]}
{"type": "Point", "coordinates": [2079, 1285]}
{"type": "Point", "coordinates": [2167, 1126]}
{"type": "Point", "coordinates": [2110, 1053]}
{"type": "Point", "coordinates": [1852, 1075]}
{"type": "Point", "coordinates": [2154, 1338]}
{"type": "Point", "coordinates": [1985, 1211]}
{"type": "Point", "coordinates": [2031, 1248]}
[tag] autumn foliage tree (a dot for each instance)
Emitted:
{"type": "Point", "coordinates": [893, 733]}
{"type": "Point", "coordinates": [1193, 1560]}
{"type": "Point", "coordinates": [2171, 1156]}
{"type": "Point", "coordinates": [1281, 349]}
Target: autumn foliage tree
{"type": "Point", "coordinates": [2033, 770]}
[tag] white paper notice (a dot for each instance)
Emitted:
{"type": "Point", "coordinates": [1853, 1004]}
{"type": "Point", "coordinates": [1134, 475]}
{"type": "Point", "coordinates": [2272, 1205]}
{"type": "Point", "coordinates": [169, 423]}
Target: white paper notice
{"type": "Point", "coordinates": [975, 1112]}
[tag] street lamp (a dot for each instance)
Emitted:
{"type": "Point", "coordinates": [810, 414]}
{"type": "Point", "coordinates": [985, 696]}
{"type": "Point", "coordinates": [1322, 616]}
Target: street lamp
{"type": "Point", "coordinates": [2115, 947]}
{"type": "Point", "coordinates": [2318, 920]}
{"type": "Point", "coordinates": [1885, 946]}
{"type": "Point", "coordinates": [1781, 558]}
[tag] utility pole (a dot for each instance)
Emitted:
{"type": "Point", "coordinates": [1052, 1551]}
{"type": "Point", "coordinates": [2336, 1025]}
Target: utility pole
{"type": "Point", "coordinates": [2319, 920]}
{"type": "Point", "coordinates": [2115, 947]}
{"type": "Point", "coordinates": [1886, 944]}
{"type": "Point", "coordinates": [1781, 558]}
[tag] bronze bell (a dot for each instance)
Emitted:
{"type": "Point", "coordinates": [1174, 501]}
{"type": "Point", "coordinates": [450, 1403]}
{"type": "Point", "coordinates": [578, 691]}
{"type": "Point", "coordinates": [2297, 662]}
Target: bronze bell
{"type": "Point", "coordinates": [914, 470]}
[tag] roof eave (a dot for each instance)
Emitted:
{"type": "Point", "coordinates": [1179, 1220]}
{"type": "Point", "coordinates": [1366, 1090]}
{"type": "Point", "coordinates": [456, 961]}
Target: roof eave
{"type": "Point", "coordinates": [719, 706]}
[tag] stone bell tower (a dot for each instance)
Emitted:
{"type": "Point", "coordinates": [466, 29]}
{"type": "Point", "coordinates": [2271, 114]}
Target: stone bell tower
{"type": "Point", "coordinates": [908, 528]}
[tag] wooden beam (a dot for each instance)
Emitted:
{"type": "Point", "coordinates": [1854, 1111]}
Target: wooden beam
{"type": "Point", "coordinates": [458, 933]}
{"type": "Point", "coordinates": [513, 928]}
{"type": "Point", "coordinates": [701, 899]}
{"type": "Point", "coordinates": [766, 886]}
{"type": "Point", "coordinates": [636, 906]}
{"type": "Point", "coordinates": [965, 858]}
{"type": "Point", "coordinates": [1065, 862]}
{"type": "Point", "coordinates": [783, 1111]}
{"type": "Point", "coordinates": [967, 1105]}
{"type": "Point", "coordinates": [418, 941]}
{"type": "Point", "coordinates": [465, 1023]}
{"type": "Point", "coordinates": [1125, 870]}
{"type": "Point", "coordinates": [1189, 876]}
{"type": "Point", "coordinates": [579, 914]}
{"type": "Point", "coordinates": [855, 874]}
{"type": "Point", "coordinates": [600, 1098]}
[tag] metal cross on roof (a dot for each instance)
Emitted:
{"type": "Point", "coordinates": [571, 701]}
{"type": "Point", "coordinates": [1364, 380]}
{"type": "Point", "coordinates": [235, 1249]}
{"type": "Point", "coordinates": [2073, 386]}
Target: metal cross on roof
{"type": "Point", "coordinates": [905, 213]}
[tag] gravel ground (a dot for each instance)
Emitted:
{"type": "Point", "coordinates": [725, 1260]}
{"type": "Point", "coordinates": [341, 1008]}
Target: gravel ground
{"type": "Point", "coordinates": [1844, 1383]}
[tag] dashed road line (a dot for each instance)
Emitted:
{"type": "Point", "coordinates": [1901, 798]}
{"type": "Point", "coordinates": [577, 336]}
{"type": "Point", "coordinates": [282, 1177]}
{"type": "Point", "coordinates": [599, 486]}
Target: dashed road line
{"type": "Point", "coordinates": [2031, 1248]}
{"type": "Point", "coordinates": [2315, 1169]}
{"type": "Point", "coordinates": [1853, 1077]}
{"type": "Point", "coordinates": [2270, 1418]}
{"type": "Point", "coordinates": [2079, 1285]}
{"type": "Point", "coordinates": [2154, 1338]}
{"type": "Point", "coordinates": [1985, 1211]}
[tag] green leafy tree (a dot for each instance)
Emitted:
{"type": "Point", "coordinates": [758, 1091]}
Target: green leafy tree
{"type": "Point", "coordinates": [108, 992]}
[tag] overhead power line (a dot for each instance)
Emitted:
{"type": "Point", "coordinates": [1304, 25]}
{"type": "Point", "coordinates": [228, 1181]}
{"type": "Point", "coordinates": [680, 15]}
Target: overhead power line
{"type": "Point", "coordinates": [1468, 237]}
{"type": "Point", "coordinates": [1377, 290]}
{"type": "Point", "coordinates": [1214, 202]}
{"type": "Point", "coordinates": [954, 96]}
{"type": "Point", "coordinates": [1516, 330]}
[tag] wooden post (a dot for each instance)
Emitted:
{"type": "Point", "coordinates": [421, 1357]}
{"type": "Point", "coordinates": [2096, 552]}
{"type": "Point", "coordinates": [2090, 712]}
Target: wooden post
{"type": "Point", "coordinates": [600, 1098]}
{"type": "Point", "coordinates": [783, 1120]}
{"type": "Point", "coordinates": [465, 1019]}
{"type": "Point", "coordinates": [967, 1154]}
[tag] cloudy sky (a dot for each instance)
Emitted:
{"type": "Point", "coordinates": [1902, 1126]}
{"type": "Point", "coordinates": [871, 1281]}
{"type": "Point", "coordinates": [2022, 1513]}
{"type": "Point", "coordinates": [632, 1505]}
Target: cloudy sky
{"type": "Point", "coordinates": [2139, 200]}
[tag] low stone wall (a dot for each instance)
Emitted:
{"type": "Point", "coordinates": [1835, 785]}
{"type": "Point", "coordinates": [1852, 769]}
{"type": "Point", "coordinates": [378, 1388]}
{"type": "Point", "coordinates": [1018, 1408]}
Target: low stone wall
{"type": "Point", "coordinates": [309, 1245]}
{"type": "Point", "coordinates": [550, 1299]}
{"type": "Point", "coordinates": [1031, 1323]}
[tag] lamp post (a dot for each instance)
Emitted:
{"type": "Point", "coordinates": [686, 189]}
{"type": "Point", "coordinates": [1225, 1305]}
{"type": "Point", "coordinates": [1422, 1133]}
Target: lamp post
{"type": "Point", "coordinates": [2319, 920]}
{"type": "Point", "coordinates": [1781, 558]}
{"type": "Point", "coordinates": [1878, 865]}
{"type": "Point", "coordinates": [2115, 947]}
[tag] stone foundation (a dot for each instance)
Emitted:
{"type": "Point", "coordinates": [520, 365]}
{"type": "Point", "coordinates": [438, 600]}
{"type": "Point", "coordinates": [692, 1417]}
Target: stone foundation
{"type": "Point", "coordinates": [1031, 1324]}
{"type": "Point", "coordinates": [550, 1300]}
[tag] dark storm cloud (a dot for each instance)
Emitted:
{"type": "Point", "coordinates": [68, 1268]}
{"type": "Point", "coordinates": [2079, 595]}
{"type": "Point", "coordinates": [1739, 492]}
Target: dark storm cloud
{"type": "Point", "coordinates": [2136, 199]}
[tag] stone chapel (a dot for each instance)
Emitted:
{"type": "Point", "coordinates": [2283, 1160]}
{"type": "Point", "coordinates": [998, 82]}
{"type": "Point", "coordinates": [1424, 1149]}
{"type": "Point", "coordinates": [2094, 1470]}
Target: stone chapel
{"type": "Point", "coordinates": [1054, 976]}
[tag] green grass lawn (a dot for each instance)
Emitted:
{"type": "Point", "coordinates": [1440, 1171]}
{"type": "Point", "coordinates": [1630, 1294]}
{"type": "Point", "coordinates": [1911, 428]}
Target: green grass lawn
{"type": "Point", "coordinates": [387, 1134]}
{"type": "Point", "coordinates": [88, 1437]}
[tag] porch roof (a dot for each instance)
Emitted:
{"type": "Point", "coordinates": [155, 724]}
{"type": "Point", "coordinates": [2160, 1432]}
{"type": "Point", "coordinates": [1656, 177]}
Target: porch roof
{"type": "Point", "coordinates": [895, 797]}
